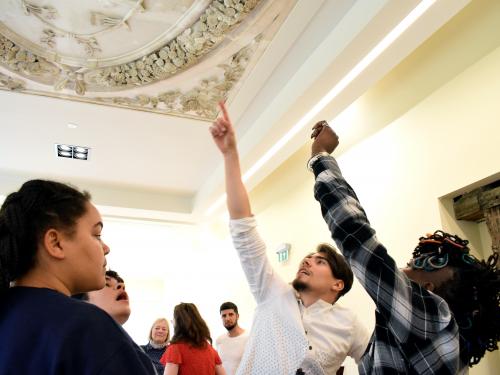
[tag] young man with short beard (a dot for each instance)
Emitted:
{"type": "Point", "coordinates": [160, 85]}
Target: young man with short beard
{"type": "Point", "coordinates": [295, 331]}
{"type": "Point", "coordinates": [231, 345]}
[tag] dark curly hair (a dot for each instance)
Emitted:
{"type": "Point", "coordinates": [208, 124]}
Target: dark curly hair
{"type": "Point", "coordinates": [473, 294]}
{"type": "Point", "coordinates": [26, 215]}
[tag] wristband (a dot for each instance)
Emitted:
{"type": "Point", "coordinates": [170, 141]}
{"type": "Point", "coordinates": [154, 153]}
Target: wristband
{"type": "Point", "coordinates": [315, 158]}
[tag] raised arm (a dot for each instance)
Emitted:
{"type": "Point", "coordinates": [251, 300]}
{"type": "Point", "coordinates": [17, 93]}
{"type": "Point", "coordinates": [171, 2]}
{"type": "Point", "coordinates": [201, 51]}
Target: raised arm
{"type": "Point", "coordinates": [407, 307]}
{"type": "Point", "coordinates": [222, 131]}
{"type": "Point", "coordinates": [251, 249]}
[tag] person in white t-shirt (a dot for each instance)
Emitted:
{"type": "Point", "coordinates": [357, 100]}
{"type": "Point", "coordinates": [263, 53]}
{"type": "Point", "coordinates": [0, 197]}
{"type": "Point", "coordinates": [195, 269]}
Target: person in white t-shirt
{"type": "Point", "coordinates": [231, 345]}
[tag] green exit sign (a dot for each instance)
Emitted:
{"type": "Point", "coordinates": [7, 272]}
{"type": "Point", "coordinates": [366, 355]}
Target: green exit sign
{"type": "Point", "coordinates": [283, 252]}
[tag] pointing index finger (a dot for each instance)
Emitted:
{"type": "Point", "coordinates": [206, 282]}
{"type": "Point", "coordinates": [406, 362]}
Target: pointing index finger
{"type": "Point", "coordinates": [223, 108]}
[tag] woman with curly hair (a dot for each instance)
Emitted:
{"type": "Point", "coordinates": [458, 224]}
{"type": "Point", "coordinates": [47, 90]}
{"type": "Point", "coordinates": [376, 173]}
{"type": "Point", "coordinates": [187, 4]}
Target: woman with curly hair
{"type": "Point", "coordinates": [190, 351]}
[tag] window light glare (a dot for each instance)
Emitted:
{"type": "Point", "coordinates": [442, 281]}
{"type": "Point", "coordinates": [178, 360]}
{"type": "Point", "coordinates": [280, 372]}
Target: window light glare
{"type": "Point", "coordinates": [418, 11]}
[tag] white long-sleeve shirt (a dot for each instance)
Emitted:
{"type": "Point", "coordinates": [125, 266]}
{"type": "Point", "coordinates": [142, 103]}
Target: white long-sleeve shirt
{"type": "Point", "coordinates": [286, 335]}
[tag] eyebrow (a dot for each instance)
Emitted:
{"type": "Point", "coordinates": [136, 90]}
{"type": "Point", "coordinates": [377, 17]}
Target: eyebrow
{"type": "Point", "coordinates": [316, 257]}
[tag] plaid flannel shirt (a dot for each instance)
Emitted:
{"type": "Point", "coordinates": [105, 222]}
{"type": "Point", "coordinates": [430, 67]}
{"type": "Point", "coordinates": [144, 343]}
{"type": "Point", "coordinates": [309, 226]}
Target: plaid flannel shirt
{"type": "Point", "coordinates": [415, 332]}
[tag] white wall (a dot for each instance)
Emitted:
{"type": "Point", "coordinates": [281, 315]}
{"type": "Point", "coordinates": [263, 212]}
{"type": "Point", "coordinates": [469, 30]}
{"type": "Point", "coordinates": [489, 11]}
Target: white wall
{"type": "Point", "coordinates": [163, 265]}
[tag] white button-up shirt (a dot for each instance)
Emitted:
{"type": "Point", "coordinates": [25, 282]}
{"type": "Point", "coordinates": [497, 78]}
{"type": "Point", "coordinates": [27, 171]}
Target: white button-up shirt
{"type": "Point", "coordinates": [285, 335]}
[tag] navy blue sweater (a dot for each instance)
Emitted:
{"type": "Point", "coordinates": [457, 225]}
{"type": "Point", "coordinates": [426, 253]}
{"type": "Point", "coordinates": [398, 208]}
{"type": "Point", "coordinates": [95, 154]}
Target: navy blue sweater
{"type": "Point", "coordinates": [44, 332]}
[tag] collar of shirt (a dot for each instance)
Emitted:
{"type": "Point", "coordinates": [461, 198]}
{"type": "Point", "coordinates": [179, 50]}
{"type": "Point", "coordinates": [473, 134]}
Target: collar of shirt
{"type": "Point", "coordinates": [318, 307]}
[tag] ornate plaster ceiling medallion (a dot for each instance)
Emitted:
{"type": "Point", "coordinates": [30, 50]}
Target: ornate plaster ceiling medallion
{"type": "Point", "coordinates": [199, 101]}
{"type": "Point", "coordinates": [98, 47]}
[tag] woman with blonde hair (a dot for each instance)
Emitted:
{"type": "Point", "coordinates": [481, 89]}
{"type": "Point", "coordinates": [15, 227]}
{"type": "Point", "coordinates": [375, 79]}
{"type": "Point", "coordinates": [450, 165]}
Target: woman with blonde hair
{"type": "Point", "coordinates": [190, 351]}
{"type": "Point", "coordinates": [159, 334]}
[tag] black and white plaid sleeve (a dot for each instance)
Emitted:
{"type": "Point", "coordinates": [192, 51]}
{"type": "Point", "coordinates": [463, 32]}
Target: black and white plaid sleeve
{"type": "Point", "coordinates": [419, 324]}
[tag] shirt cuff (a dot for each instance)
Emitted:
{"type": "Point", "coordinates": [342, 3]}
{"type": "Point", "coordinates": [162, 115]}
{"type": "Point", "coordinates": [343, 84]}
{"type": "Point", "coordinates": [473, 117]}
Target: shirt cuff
{"type": "Point", "coordinates": [242, 225]}
{"type": "Point", "coordinates": [325, 162]}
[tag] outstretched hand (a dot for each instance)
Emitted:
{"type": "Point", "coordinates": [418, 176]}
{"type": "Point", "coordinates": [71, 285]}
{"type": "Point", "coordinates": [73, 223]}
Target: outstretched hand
{"type": "Point", "coordinates": [325, 139]}
{"type": "Point", "coordinates": [223, 132]}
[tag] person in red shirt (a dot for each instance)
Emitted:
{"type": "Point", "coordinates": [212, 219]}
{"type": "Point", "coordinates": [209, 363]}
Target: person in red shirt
{"type": "Point", "coordinates": [190, 351]}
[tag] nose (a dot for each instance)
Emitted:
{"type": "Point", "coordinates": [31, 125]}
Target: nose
{"type": "Point", "coordinates": [105, 249]}
{"type": "Point", "coordinates": [120, 286]}
{"type": "Point", "coordinates": [306, 262]}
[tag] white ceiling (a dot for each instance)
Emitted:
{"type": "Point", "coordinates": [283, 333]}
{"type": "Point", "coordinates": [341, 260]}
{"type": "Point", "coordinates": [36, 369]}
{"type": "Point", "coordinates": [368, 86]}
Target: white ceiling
{"type": "Point", "coordinates": [151, 165]}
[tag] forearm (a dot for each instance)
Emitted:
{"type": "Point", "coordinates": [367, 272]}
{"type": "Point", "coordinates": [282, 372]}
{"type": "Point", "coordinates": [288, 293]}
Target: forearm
{"type": "Point", "coordinates": [238, 203]}
{"type": "Point", "coordinates": [219, 370]}
{"type": "Point", "coordinates": [171, 369]}
{"type": "Point", "coordinates": [353, 234]}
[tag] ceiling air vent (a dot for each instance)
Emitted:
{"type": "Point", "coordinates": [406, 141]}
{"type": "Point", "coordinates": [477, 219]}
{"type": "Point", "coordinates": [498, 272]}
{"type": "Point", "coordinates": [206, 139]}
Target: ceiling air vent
{"type": "Point", "coordinates": [72, 152]}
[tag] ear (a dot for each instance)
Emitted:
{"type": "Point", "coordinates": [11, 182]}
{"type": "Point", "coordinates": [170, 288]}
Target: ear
{"type": "Point", "coordinates": [52, 243]}
{"type": "Point", "coordinates": [429, 286]}
{"type": "Point", "coordinates": [338, 285]}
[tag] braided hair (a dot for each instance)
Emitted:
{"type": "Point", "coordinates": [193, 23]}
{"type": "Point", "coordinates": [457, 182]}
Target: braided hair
{"type": "Point", "coordinates": [26, 215]}
{"type": "Point", "coordinates": [473, 294]}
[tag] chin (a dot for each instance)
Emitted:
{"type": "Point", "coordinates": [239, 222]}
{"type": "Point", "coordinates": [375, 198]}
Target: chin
{"type": "Point", "coordinates": [122, 318]}
{"type": "Point", "coordinates": [299, 285]}
{"type": "Point", "coordinates": [92, 286]}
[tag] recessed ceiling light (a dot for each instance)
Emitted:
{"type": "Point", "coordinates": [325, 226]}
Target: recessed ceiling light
{"type": "Point", "coordinates": [64, 148]}
{"type": "Point", "coordinates": [65, 154]}
{"type": "Point", "coordinates": [79, 155]}
{"type": "Point", "coordinates": [72, 152]}
{"type": "Point", "coordinates": [72, 126]}
{"type": "Point", "coordinates": [81, 150]}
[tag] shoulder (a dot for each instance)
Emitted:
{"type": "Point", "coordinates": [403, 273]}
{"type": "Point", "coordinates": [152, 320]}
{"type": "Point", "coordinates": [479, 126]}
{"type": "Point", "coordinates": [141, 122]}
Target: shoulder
{"type": "Point", "coordinates": [52, 306]}
{"type": "Point", "coordinates": [84, 335]}
{"type": "Point", "coordinates": [93, 326]}
{"type": "Point", "coordinates": [175, 350]}
{"type": "Point", "coordinates": [176, 346]}
{"type": "Point", "coordinates": [221, 338]}
{"type": "Point", "coordinates": [347, 316]}
{"type": "Point", "coordinates": [87, 313]}
{"type": "Point", "coordinates": [243, 336]}
{"type": "Point", "coordinates": [245, 333]}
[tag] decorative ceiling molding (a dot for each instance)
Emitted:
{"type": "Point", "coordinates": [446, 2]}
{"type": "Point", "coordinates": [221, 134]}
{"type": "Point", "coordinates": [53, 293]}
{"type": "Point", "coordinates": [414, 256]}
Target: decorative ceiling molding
{"type": "Point", "coordinates": [200, 101]}
{"type": "Point", "coordinates": [220, 37]}
{"type": "Point", "coordinates": [91, 45]}
{"type": "Point", "coordinates": [44, 13]}
{"type": "Point", "coordinates": [182, 52]}
{"type": "Point", "coordinates": [12, 84]}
